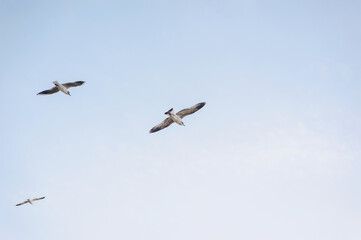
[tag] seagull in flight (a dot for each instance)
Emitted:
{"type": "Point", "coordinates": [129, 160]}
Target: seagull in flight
{"type": "Point", "coordinates": [62, 87]}
{"type": "Point", "coordinates": [176, 117]}
{"type": "Point", "coordinates": [31, 201]}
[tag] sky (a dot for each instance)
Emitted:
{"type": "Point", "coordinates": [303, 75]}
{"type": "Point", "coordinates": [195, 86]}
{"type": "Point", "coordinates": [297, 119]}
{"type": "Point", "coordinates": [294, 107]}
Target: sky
{"type": "Point", "coordinates": [274, 154]}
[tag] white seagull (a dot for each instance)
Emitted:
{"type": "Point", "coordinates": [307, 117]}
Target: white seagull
{"type": "Point", "coordinates": [62, 87]}
{"type": "Point", "coordinates": [31, 201]}
{"type": "Point", "coordinates": [177, 117]}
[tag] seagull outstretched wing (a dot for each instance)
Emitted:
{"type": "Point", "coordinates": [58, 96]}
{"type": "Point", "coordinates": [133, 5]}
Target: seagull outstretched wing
{"type": "Point", "coordinates": [36, 199]}
{"type": "Point", "coordinates": [187, 111]}
{"type": "Point", "coordinates": [168, 121]}
{"type": "Point", "coordinates": [22, 203]}
{"type": "Point", "coordinates": [49, 91]}
{"type": "Point", "coordinates": [73, 84]}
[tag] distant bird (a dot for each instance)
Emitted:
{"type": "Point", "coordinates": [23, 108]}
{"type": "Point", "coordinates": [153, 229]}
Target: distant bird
{"type": "Point", "coordinates": [177, 117]}
{"type": "Point", "coordinates": [62, 87]}
{"type": "Point", "coordinates": [31, 201]}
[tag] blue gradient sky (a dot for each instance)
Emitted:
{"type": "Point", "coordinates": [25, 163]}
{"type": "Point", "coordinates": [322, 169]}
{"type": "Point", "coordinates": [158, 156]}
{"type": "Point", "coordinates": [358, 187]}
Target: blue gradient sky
{"type": "Point", "coordinates": [275, 153]}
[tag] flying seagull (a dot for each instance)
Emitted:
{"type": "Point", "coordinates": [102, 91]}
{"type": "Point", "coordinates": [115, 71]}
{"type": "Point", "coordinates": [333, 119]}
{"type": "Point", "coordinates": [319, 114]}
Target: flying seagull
{"type": "Point", "coordinates": [31, 201]}
{"type": "Point", "coordinates": [176, 117]}
{"type": "Point", "coordinates": [62, 87]}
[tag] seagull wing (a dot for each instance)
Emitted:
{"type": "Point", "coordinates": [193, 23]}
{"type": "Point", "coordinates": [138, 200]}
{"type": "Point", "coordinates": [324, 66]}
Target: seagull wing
{"type": "Point", "coordinates": [50, 91]}
{"type": "Point", "coordinates": [73, 84]}
{"type": "Point", "coordinates": [36, 199]}
{"type": "Point", "coordinates": [168, 121]}
{"type": "Point", "coordinates": [187, 111]}
{"type": "Point", "coordinates": [22, 203]}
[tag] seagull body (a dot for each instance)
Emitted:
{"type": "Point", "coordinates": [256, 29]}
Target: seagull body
{"type": "Point", "coordinates": [177, 117]}
{"type": "Point", "coordinates": [31, 201]}
{"type": "Point", "coordinates": [61, 87]}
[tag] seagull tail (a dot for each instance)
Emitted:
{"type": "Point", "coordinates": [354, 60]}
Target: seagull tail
{"type": "Point", "coordinates": [169, 111]}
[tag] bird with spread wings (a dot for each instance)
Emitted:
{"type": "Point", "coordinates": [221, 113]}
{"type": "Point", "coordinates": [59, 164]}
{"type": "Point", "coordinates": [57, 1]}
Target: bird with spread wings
{"type": "Point", "coordinates": [61, 87]}
{"type": "Point", "coordinates": [177, 118]}
{"type": "Point", "coordinates": [31, 201]}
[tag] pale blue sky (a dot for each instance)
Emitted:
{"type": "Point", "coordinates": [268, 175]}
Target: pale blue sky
{"type": "Point", "coordinates": [275, 153]}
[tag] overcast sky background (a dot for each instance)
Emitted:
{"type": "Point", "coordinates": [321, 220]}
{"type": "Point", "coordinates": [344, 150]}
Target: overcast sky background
{"type": "Point", "coordinates": [274, 154]}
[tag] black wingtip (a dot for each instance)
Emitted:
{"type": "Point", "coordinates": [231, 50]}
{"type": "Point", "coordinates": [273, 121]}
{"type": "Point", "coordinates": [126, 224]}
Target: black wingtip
{"type": "Point", "coordinates": [200, 105]}
{"type": "Point", "coordinates": [155, 129]}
